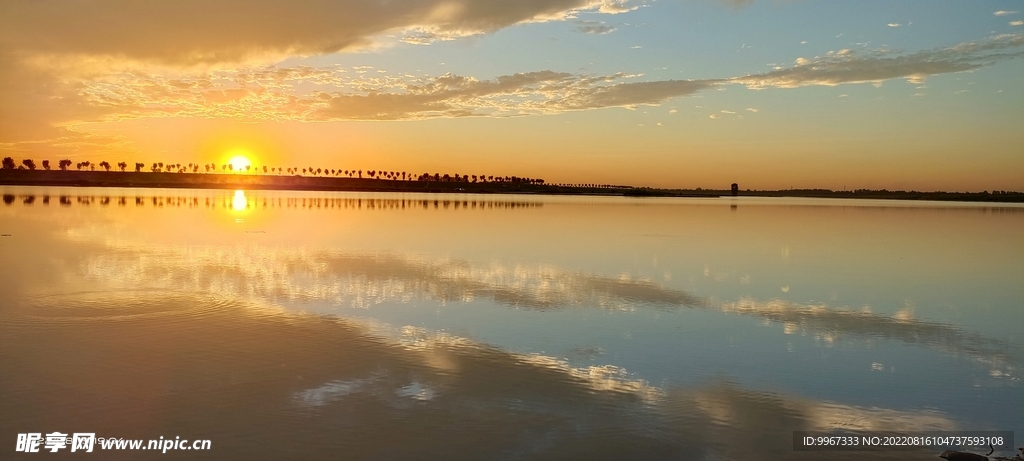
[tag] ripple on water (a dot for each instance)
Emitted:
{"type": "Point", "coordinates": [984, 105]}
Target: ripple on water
{"type": "Point", "coordinates": [109, 307]}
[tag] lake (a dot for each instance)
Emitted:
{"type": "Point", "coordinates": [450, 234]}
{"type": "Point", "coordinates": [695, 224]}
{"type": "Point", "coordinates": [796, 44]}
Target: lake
{"type": "Point", "coordinates": [314, 325]}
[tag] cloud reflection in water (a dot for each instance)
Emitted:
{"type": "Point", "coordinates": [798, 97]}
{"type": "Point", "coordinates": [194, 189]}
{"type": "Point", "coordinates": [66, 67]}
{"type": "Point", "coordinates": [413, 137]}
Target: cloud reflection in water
{"type": "Point", "coordinates": [305, 386]}
{"type": "Point", "coordinates": [364, 280]}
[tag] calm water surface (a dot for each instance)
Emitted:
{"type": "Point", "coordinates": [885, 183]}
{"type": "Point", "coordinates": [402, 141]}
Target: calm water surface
{"type": "Point", "coordinates": [295, 325]}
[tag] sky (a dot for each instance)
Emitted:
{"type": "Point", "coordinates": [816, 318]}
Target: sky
{"type": "Point", "coordinates": [922, 95]}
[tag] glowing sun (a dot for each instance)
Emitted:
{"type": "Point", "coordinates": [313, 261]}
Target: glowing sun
{"type": "Point", "coordinates": [239, 162]}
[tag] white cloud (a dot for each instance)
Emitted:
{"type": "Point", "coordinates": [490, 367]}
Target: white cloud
{"type": "Point", "coordinates": [45, 108]}
{"type": "Point", "coordinates": [738, 4]}
{"type": "Point", "coordinates": [615, 7]}
{"type": "Point", "coordinates": [751, 109]}
{"type": "Point", "coordinates": [727, 112]}
{"type": "Point", "coordinates": [47, 53]}
{"type": "Point", "coordinates": [1017, 23]}
{"type": "Point", "coordinates": [1004, 13]}
{"type": "Point", "coordinates": [894, 24]}
{"type": "Point", "coordinates": [594, 27]}
{"type": "Point", "coordinates": [840, 68]}
{"type": "Point", "coordinates": [269, 94]}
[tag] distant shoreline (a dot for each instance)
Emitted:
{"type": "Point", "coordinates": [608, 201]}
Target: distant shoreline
{"type": "Point", "coordinates": [154, 180]}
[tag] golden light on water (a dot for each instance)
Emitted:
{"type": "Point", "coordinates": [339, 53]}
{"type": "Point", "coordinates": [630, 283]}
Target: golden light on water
{"type": "Point", "coordinates": [239, 202]}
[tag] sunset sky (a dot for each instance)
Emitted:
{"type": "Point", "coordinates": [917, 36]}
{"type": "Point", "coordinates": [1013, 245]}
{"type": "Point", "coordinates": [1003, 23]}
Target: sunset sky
{"type": "Point", "coordinates": [668, 93]}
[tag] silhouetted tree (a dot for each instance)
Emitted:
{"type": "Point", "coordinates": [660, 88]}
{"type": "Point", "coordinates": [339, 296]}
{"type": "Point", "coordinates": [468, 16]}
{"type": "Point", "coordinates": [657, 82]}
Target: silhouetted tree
{"type": "Point", "coordinates": [8, 165]}
{"type": "Point", "coordinates": [122, 165]}
{"type": "Point", "coordinates": [105, 164]}
{"type": "Point", "coordinates": [64, 164]}
{"type": "Point", "coordinates": [46, 165]}
{"type": "Point", "coordinates": [29, 163]}
{"type": "Point", "coordinates": [139, 167]}
{"type": "Point", "coordinates": [735, 189]}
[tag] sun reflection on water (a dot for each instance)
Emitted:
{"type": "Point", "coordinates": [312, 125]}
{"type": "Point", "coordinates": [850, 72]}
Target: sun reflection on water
{"type": "Point", "coordinates": [239, 203]}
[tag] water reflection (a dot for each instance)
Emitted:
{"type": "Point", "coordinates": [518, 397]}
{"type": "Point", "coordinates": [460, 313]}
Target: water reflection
{"type": "Point", "coordinates": [829, 323]}
{"type": "Point", "coordinates": [263, 383]}
{"type": "Point", "coordinates": [269, 200]}
{"type": "Point", "coordinates": [362, 281]}
{"type": "Point", "coordinates": [240, 201]}
{"type": "Point", "coordinates": [666, 346]}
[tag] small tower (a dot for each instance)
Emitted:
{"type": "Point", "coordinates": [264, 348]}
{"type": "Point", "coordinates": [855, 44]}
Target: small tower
{"type": "Point", "coordinates": [735, 189]}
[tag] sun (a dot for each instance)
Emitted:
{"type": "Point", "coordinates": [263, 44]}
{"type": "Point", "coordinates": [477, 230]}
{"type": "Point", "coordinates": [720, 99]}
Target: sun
{"type": "Point", "coordinates": [239, 162]}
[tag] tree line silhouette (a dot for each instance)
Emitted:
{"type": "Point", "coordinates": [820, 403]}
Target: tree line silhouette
{"type": "Point", "coordinates": [161, 167]}
{"type": "Point", "coordinates": [308, 171]}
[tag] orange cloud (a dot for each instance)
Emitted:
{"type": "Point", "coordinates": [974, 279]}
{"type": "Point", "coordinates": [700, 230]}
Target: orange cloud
{"type": "Point", "coordinates": [193, 32]}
